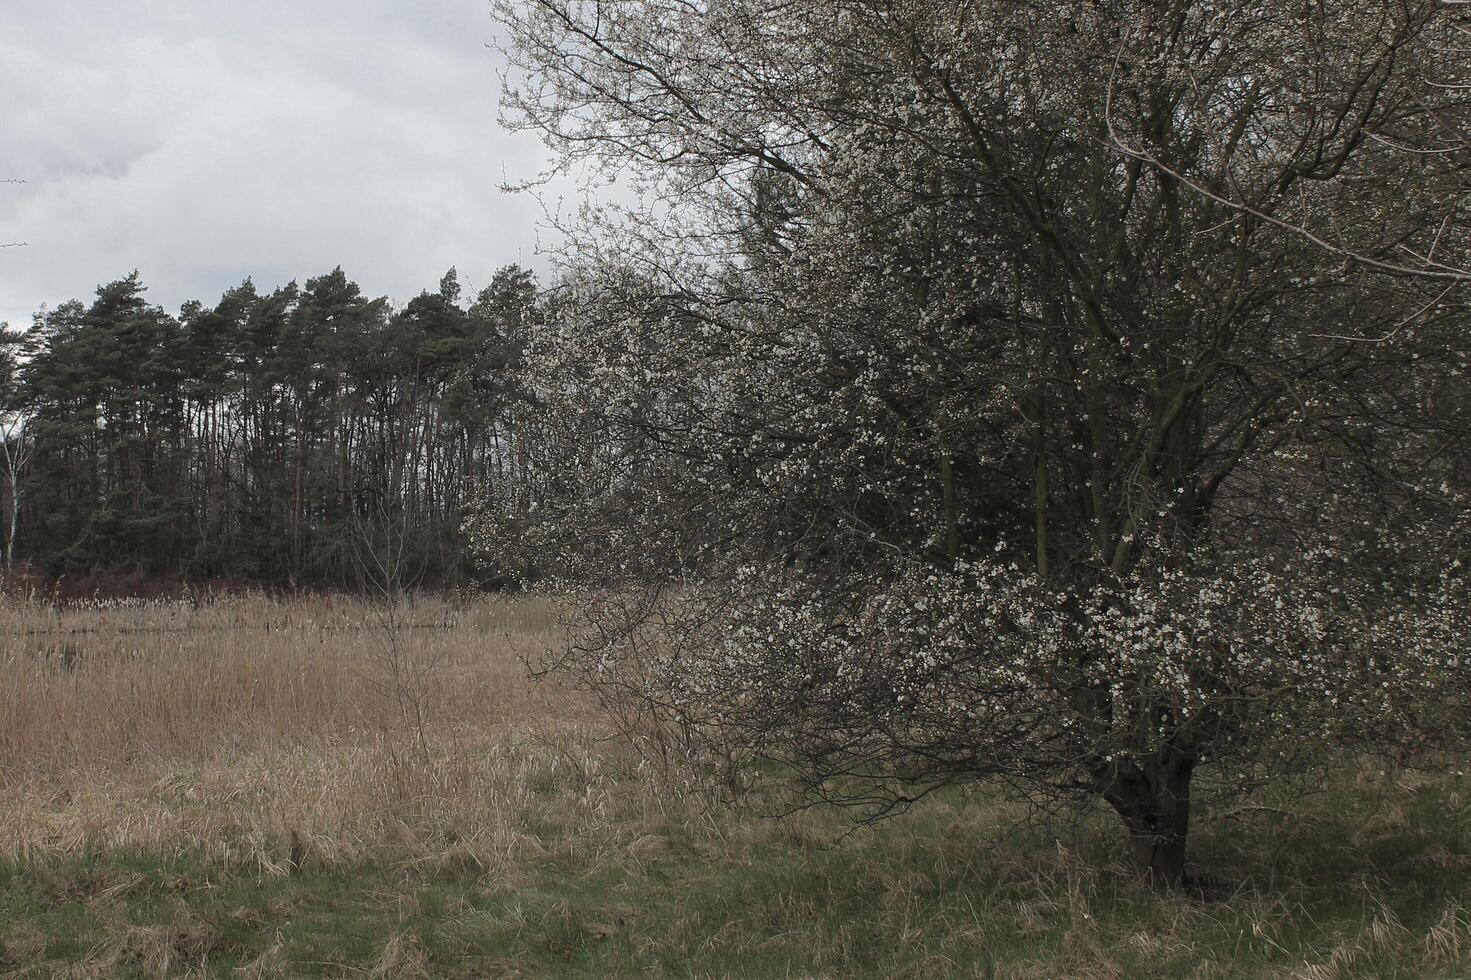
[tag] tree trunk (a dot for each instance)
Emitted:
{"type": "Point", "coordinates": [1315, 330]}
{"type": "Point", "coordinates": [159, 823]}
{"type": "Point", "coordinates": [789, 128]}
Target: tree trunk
{"type": "Point", "coordinates": [1153, 800]}
{"type": "Point", "coordinates": [14, 523]}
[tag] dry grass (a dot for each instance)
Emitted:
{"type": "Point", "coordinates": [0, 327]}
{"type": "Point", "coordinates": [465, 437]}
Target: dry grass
{"type": "Point", "coordinates": [258, 731]}
{"type": "Point", "coordinates": [237, 789]}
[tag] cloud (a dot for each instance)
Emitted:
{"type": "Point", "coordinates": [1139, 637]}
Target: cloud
{"type": "Point", "coordinates": [203, 142]}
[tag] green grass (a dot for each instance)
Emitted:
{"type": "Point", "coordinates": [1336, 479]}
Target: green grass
{"type": "Point", "coordinates": [1366, 881]}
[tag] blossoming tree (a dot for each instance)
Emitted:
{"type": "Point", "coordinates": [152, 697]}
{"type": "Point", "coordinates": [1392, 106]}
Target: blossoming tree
{"type": "Point", "coordinates": [1064, 395]}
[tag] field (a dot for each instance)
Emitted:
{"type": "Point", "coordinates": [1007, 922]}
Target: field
{"type": "Point", "coordinates": [257, 788]}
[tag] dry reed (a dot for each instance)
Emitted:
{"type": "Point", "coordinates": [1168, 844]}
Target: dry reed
{"type": "Point", "coordinates": [266, 733]}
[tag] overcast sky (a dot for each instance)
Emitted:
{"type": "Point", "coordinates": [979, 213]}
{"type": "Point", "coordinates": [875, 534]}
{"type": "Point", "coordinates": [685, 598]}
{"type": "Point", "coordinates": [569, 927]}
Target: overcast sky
{"type": "Point", "coordinates": [201, 141]}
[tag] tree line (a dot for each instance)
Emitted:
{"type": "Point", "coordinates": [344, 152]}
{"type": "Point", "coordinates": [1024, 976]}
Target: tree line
{"type": "Point", "coordinates": [267, 437]}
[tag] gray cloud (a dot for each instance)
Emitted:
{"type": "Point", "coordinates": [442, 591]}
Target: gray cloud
{"type": "Point", "coordinates": [201, 142]}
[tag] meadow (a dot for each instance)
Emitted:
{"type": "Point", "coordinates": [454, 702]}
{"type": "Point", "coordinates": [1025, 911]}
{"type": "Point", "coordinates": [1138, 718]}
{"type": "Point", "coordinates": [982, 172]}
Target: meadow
{"type": "Point", "coordinates": [252, 787]}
